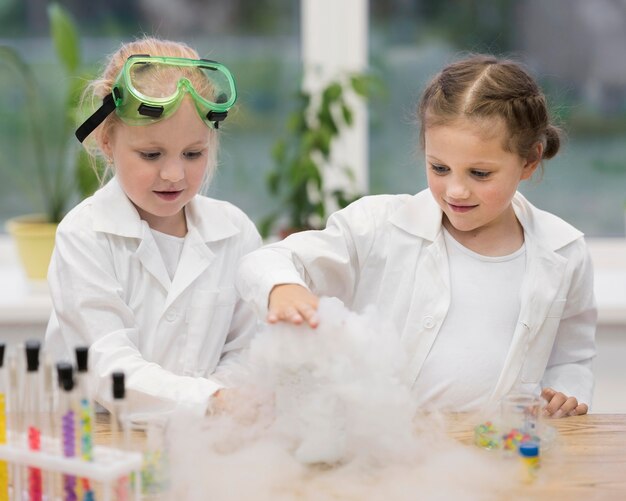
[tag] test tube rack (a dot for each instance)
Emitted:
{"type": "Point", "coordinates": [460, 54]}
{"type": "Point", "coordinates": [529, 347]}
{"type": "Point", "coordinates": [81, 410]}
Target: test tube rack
{"type": "Point", "coordinates": [109, 464]}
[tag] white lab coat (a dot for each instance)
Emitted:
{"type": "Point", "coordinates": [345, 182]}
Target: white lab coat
{"type": "Point", "coordinates": [111, 290]}
{"type": "Point", "coordinates": [389, 250]}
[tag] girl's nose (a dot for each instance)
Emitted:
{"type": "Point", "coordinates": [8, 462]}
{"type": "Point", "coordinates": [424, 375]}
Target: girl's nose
{"type": "Point", "coordinates": [172, 171]}
{"type": "Point", "coordinates": [457, 189]}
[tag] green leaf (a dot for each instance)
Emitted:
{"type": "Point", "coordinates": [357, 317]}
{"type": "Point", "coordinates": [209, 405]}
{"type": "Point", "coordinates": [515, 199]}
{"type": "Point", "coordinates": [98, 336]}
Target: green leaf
{"type": "Point", "coordinates": [307, 168]}
{"type": "Point", "coordinates": [332, 92]}
{"type": "Point", "coordinates": [279, 151]}
{"type": "Point", "coordinates": [324, 141]}
{"type": "Point", "coordinates": [320, 210]}
{"type": "Point", "coordinates": [273, 182]}
{"type": "Point", "coordinates": [64, 36]}
{"type": "Point", "coordinates": [360, 84]}
{"type": "Point", "coordinates": [326, 120]}
{"type": "Point", "coordinates": [347, 114]}
{"type": "Point", "coordinates": [317, 180]}
{"type": "Point", "coordinates": [296, 122]}
{"type": "Point", "coordinates": [308, 142]}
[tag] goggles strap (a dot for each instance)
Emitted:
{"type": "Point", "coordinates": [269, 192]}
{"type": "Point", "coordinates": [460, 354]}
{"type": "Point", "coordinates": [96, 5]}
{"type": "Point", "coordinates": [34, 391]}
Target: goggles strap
{"type": "Point", "coordinates": [216, 117]}
{"type": "Point", "coordinates": [108, 105]}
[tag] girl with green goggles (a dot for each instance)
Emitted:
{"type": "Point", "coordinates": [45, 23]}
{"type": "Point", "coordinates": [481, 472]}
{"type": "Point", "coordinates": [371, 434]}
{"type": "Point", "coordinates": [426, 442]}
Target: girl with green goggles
{"type": "Point", "coordinates": [154, 256]}
{"type": "Point", "coordinates": [150, 88]}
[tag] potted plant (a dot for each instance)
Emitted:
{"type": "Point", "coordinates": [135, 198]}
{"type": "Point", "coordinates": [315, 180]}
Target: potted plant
{"type": "Point", "coordinates": [297, 177]}
{"type": "Point", "coordinates": [58, 173]}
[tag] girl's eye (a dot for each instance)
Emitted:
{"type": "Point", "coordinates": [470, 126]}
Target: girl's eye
{"type": "Point", "coordinates": [149, 155]}
{"type": "Point", "coordinates": [191, 155]}
{"type": "Point", "coordinates": [439, 169]}
{"type": "Point", "coordinates": [481, 174]}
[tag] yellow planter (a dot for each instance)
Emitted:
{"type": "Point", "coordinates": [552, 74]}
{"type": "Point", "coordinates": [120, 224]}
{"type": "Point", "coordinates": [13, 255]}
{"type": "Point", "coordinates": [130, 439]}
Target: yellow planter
{"type": "Point", "coordinates": [34, 238]}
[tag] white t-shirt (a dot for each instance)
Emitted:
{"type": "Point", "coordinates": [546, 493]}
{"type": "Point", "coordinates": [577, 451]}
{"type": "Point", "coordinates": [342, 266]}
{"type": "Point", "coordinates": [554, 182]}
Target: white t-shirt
{"type": "Point", "coordinates": [171, 248]}
{"type": "Point", "coordinates": [468, 354]}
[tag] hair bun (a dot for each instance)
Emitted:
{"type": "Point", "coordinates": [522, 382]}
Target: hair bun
{"type": "Point", "coordinates": [553, 141]}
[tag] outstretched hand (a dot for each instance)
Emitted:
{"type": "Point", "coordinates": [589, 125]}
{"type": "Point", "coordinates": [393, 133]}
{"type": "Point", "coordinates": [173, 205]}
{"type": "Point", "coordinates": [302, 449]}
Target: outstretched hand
{"type": "Point", "coordinates": [294, 304]}
{"type": "Point", "coordinates": [560, 405]}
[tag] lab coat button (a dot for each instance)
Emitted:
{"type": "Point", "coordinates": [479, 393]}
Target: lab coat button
{"type": "Point", "coordinates": [171, 315]}
{"type": "Point", "coordinates": [428, 322]}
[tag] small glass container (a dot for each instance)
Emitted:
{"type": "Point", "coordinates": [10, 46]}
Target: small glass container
{"type": "Point", "coordinates": [155, 478]}
{"type": "Point", "coordinates": [522, 419]}
{"type": "Point", "coordinates": [487, 435]}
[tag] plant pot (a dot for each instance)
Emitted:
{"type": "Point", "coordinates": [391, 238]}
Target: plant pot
{"type": "Point", "coordinates": [34, 239]}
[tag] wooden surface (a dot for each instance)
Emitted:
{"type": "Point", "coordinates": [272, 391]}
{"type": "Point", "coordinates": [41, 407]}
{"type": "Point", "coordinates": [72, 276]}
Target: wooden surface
{"type": "Point", "coordinates": [587, 460]}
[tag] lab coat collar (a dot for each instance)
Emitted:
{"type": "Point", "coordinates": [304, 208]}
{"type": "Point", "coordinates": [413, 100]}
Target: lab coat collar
{"type": "Point", "coordinates": [114, 213]}
{"type": "Point", "coordinates": [422, 217]}
{"type": "Point", "coordinates": [548, 230]}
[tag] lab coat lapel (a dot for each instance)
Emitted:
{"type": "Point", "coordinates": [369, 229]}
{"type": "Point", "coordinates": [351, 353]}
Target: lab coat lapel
{"type": "Point", "coordinates": [115, 214]}
{"type": "Point", "coordinates": [542, 281]}
{"type": "Point", "coordinates": [150, 257]}
{"type": "Point", "coordinates": [194, 260]}
{"type": "Point", "coordinates": [428, 305]}
{"type": "Point", "coordinates": [421, 219]}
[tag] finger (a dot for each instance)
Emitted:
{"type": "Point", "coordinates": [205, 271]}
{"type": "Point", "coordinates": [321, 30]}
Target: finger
{"type": "Point", "coordinates": [580, 410]}
{"type": "Point", "coordinates": [558, 399]}
{"type": "Point", "coordinates": [548, 393]}
{"type": "Point", "coordinates": [293, 316]}
{"type": "Point", "coordinates": [288, 314]}
{"type": "Point", "coordinates": [314, 321]}
{"type": "Point", "coordinates": [310, 315]}
{"type": "Point", "coordinates": [569, 405]}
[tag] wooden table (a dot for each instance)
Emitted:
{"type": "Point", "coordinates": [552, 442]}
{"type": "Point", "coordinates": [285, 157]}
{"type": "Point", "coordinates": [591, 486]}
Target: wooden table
{"type": "Point", "coordinates": [586, 462]}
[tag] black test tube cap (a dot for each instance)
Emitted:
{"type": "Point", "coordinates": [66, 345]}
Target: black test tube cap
{"type": "Point", "coordinates": [1, 354]}
{"type": "Point", "coordinates": [65, 373]}
{"type": "Point", "coordinates": [32, 355]}
{"type": "Point", "coordinates": [119, 388]}
{"type": "Point", "coordinates": [82, 353]}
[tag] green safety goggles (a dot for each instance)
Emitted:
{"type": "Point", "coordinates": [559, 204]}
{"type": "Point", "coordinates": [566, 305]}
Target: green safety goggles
{"type": "Point", "coordinates": [150, 88]}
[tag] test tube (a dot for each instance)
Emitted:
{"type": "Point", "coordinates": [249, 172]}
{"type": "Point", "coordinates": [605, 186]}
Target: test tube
{"type": "Point", "coordinates": [48, 420]}
{"type": "Point", "coordinates": [32, 401]}
{"type": "Point", "coordinates": [119, 424]}
{"type": "Point", "coordinates": [67, 412]}
{"type": "Point", "coordinates": [4, 467]}
{"type": "Point", "coordinates": [85, 415]}
{"type": "Point", "coordinates": [15, 419]}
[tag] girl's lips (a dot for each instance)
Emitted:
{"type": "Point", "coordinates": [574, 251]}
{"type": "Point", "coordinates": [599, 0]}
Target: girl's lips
{"type": "Point", "coordinates": [168, 195]}
{"type": "Point", "coordinates": [461, 208]}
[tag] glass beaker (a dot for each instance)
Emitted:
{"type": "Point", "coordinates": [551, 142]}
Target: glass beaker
{"type": "Point", "coordinates": [522, 419]}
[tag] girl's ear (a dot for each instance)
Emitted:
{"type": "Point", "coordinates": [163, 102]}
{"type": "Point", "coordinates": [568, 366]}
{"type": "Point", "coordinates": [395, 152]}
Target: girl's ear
{"type": "Point", "coordinates": [105, 141]}
{"type": "Point", "coordinates": [533, 160]}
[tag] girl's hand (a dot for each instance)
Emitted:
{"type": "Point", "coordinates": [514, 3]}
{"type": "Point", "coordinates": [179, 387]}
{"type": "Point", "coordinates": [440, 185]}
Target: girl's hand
{"type": "Point", "coordinates": [294, 304]}
{"type": "Point", "coordinates": [239, 404]}
{"type": "Point", "coordinates": [560, 405]}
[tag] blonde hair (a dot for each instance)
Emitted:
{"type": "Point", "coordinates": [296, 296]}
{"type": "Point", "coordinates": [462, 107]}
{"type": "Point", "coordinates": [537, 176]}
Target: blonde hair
{"type": "Point", "coordinates": [483, 86]}
{"type": "Point", "coordinates": [102, 86]}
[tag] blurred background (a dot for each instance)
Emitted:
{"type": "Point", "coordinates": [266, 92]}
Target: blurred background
{"type": "Point", "coordinates": [576, 48]}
